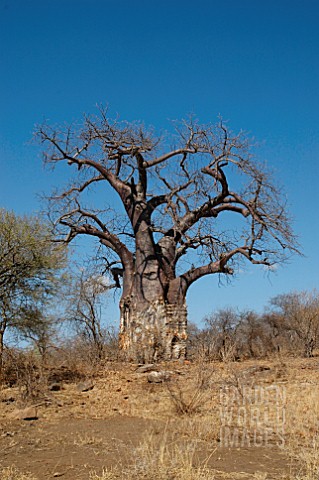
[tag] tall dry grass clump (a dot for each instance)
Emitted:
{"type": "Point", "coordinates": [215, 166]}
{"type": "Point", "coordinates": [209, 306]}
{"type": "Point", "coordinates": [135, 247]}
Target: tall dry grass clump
{"type": "Point", "coordinates": [190, 396]}
{"type": "Point", "coordinates": [162, 458]}
{"type": "Point", "coordinates": [12, 473]}
{"type": "Point", "coordinates": [302, 429]}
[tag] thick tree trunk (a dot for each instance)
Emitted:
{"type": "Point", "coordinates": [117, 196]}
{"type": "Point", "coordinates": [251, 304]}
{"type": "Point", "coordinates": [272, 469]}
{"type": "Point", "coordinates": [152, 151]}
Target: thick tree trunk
{"type": "Point", "coordinates": [1, 354]}
{"type": "Point", "coordinates": [309, 348]}
{"type": "Point", "coordinates": [153, 323]}
{"type": "Point", "coordinates": [153, 331]}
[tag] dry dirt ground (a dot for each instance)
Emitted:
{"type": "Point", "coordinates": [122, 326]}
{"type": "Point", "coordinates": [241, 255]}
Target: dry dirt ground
{"type": "Point", "coordinates": [248, 420]}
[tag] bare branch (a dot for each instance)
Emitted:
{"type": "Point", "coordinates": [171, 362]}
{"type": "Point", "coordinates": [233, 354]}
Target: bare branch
{"type": "Point", "coordinates": [220, 266]}
{"type": "Point", "coordinates": [78, 189]}
{"type": "Point", "coordinates": [174, 200]}
{"type": "Point", "coordinates": [167, 156]}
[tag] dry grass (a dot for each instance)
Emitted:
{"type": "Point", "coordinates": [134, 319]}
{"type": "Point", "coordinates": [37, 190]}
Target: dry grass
{"type": "Point", "coordinates": [12, 473]}
{"type": "Point", "coordinates": [302, 426]}
{"type": "Point", "coordinates": [190, 396]}
{"type": "Point", "coordinates": [167, 459]}
{"type": "Point", "coordinates": [161, 458]}
{"type": "Point", "coordinates": [24, 370]}
{"type": "Point", "coordinates": [189, 406]}
{"type": "Point", "coordinates": [88, 440]}
{"type": "Point", "coordinates": [297, 382]}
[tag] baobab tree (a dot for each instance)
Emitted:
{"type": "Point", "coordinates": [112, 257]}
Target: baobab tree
{"type": "Point", "coordinates": [172, 209]}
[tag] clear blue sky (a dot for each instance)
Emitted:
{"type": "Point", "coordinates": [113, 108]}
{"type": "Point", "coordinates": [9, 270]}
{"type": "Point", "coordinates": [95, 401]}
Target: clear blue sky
{"type": "Point", "coordinates": [255, 63]}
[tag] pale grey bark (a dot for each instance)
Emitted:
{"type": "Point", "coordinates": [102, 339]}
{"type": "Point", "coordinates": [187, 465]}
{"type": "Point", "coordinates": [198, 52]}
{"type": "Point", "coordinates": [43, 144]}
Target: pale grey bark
{"type": "Point", "coordinates": [158, 331]}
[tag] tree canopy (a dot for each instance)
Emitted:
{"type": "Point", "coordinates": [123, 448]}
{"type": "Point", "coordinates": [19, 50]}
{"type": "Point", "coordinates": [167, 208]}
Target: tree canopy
{"type": "Point", "coordinates": [188, 204]}
{"type": "Point", "coordinates": [30, 268]}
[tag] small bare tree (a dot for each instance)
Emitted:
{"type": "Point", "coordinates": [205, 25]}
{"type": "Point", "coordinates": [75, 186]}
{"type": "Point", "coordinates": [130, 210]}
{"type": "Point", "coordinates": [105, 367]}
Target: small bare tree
{"type": "Point", "coordinates": [221, 326]}
{"type": "Point", "coordinates": [85, 305]}
{"type": "Point", "coordinates": [252, 335]}
{"type": "Point", "coordinates": [172, 209]}
{"type": "Point", "coordinates": [299, 312]}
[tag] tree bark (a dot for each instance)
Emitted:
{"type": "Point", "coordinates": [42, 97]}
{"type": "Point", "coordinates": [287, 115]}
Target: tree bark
{"type": "Point", "coordinates": [153, 331]}
{"type": "Point", "coordinates": [153, 322]}
{"type": "Point", "coordinates": [309, 348]}
{"type": "Point", "coordinates": [1, 354]}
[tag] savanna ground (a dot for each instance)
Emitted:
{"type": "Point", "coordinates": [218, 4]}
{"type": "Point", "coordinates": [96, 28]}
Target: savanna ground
{"type": "Point", "coordinates": [209, 420]}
